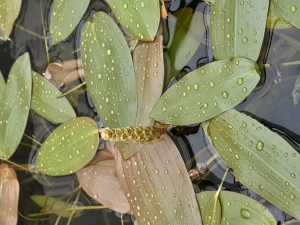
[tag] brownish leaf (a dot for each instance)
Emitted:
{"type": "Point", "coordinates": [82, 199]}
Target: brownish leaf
{"type": "Point", "coordinates": [9, 195]}
{"type": "Point", "coordinates": [100, 181]}
{"type": "Point", "coordinates": [157, 185]}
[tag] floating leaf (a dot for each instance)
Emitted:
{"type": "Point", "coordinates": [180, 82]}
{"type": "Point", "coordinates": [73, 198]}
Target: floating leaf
{"type": "Point", "coordinates": [207, 92]}
{"type": "Point", "coordinates": [274, 20]}
{"type": "Point", "coordinates": [289, 10]}
{"type": "Point", "coordinates": [45, 102]}
{"type": "Point", "coordinates": [238, 28]}
{"type": "Point", "coordinates": [140, 17]}
{"type": "Point", "coordinates": [15, 105]}
{"type": "Point", "coordinates": [236, 209]}
{"type": "Point", "coordinates": [100, 181]}
{"type": "Point", "coordinates": [68, 148]}
{"type": "Point", "coordinates": [157, 185]}
{"type": "Point", "coordinates": [9, 11]}
{"type": "Point", "coordinates": [261, 160]}
{"type": "Point", "coordinates": [65, 17]}
{"type": "Point", "coordinates": [55, 205]}
{"type": "Point", "coordinates": [188, 33]}
{"type": "Point", "coordinates": [149, 69]}
{"type": "Point", "coordinates": [109, 71]}
{"type": "Point", "coordinates": [9, 195]}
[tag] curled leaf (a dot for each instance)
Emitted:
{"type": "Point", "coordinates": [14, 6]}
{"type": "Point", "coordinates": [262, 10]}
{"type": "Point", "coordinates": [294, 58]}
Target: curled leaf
{"type": "Point", "coordinates": [238, 28]}
{"type": "Point", "coordinates": [52, 204]}
{"type": "Point", "coordinates": [274, 20]}
{"type": "Point", "coordinates": [207, 92]}
{"type": "Point", "coordinates": [235, 209]}
{"type": "Point", "coordinates": [261, 160]}
{"type": "Point", "coordinates": [68, 148]}
{"type": "Point", "coordinates": [100, 181]}
{"type": "Point", "coordinates": [14, 105]}
{"type": "Point", "coordinates": [45, 102]}
{"type": "Point", "coordinates": [139, 17]}
{"type": "Point", "coordinates": [65, 17]}
{"type": "Point", "coordinates": [9, 195]}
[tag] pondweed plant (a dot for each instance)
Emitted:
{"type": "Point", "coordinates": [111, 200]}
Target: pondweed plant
{"type": "Point", "coordinates": [143, 172]}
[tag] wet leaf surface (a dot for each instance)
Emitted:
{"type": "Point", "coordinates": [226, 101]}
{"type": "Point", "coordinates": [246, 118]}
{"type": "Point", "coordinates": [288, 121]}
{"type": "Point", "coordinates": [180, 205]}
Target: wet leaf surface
{"type": "Point", "coordinates": [261, 160]}
{"type": "Point", "coordinates": [9, 11]}
{"type": "Point", "coordinates": [9, 195]}
{"type": "Point", "coordinates": [45, 102]}
{"type": "Point", "coordinates": [157, 185]}
{"type": "Point", "coordinates": [109, 71]}
{"type": "Point", "coordinates": [52, 204]}
{"type": "Point", "coordinates": [238, 28]}
{"type": "Point", "coordinates": [188, 34]}
{"type": "Point", "coordinates": [207, 92]}
{"type": "Point", "coordinates": [65, 17]}
{"type": "Point", "coordinates": [101, 182]}
{"type": "Point", "coordinates": [235, 209]}
{"type": "Point", "coordinates": [289, 10]}
{"type": "Point", "coordinates": [274, 20]}
{"type": "Point", "coordinates": [68, 148]}
{"type": "Point", "coordinates": [15, 105]}
{"type": "Point", "coordinates": [139, 17]}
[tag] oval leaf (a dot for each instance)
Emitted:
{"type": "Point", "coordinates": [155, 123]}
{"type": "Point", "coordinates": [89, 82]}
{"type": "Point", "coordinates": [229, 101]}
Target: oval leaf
{"type": "Point", "coordinates": [101, 182]}
{"type": "Point", "coordinates": [68, 148]}
{"type": "Point", "coordinates": [289, 10]}
{"type": "Point", "coordinates": [157, 185]}
{"type": "Point", "coordinates": [238, 28]}
{"type": "Point", "coordinates": [9, 195]}
{"type": "Point", "coordinates": [65, 17]}
{"type": "Point", "coordinates": [140, 17]}
{"type": "Point", "coordinates": [207, 92]}
{"type": "Point", "coordinates": [45, 102]}
{"type": "Point", "coordinates": [262, 160]}
{"type": "Point", "coordinates": [9, 11]}
{"type": "Point", "coordinates": [109, 71]}
{"type": "Point", "coordinates": [236, 209]}
{"type": "Point", "coordinates": [15, 105]}
{"type": "Point", "coordinates": [55, 205]}
{"type": "Point", "coordinates": [188, 34]}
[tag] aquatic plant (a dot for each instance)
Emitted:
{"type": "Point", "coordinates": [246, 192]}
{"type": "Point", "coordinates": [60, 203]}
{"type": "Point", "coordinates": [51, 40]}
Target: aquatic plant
{"type": "Point", "coordinates": [144, 173]}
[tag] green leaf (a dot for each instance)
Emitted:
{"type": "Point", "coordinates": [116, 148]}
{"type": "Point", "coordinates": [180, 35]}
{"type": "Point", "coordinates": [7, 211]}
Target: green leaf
{"type": "Point", "coordinates": [140, 17]}
{"type": "Point", "coordinates": [53, 204]}
{"type": "Point", "coordinates": [261, 160]}
{"type": "Point", "coordinates": [2, 86]}
{"type": "Point", "coordinates": [207, 92]}
{"type": "Point", "coordinates": [238, 28]}
{"type": "Point", "coordinates": [236, 209]}
{"type": "Point", "coordinates": [188, 34]}
{"type": "Point", "coordinates": [9, 11]}
{"type": "Point", "coordinates": [156, 179]}
{"type": "Point", "coordinates": [275, 21]}
{"type": "Point", "coordinates": [212, 213]}
{"type": "Point", "coordinates": [15, 105]}
{"type": "Point", "coordinates": [109, 71]}
{"type": "Point", "coordinates": [68, 148]}
{"type": "Point", "coordinates": [289, 10]}
{"type": "Point", "coordinates": [65, 17]}
{"type": "Point", "coordinates": [45, 102]}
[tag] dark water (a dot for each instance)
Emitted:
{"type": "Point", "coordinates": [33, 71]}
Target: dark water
{"type": "Point", "coordinates": [271, 103]}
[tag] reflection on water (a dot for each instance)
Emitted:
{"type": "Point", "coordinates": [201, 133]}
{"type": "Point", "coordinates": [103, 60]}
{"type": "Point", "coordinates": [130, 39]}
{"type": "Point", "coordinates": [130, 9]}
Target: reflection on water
{"type": "Point", "coordinates": [272, 103]}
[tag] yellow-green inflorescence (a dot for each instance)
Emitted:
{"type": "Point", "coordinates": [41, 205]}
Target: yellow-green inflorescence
{"type": "Point", "coordinates": [144, 135]}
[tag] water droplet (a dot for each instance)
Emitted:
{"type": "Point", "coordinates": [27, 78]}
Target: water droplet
{"type": "Point", "coordinates": [77, 151]}
{"type": "Point", "coordinates": [240, 81]}
{"type": "Point", "coordinates": [99, 76]}
{"type": "Point", "coordinates": [259, 146]}
{"type": "Point", "coordinates": [237, 156]}
{"type": "Point", "coordinates": [143, 4]}
{"type": "Point", "coordinates": [244, 89]}
{"type": "Point", "coordinates": [294, 9]}
{"type": "Point", "coordinates": [292, 196]}
{"type": "Point", "coordinates": [108, 51]}
{"type": "Point", "coordinates": [245, 213]}
{"type": "Point", "coordinates": [228, 203]}
{"type": "Point", "coordinates": [293, 175]}
{"type": "Point", "coordinates": [93, 146]}
{"type": "Point", "coordinates": [212, 84]}
{"type": "Point", "coordinates": [245, 40]}
{"type": "Point", "coordinates": [164, 109]}
{"type": "Point", "coordinates": [166, 171]}
{"type": "Point", "coordinates": [155, 64]}
{"type": "Point", "coordinates": [261, 187]}
{"type": "Point", "coordinates": [240, 31]}
{"type": "Point", "coordinates": [225, 94]}
{"type": "Point", "coordinates": [244, 124]}
{"type": "Point", "coordinates": [70, 156]}
{"type": "Point", "coordinates": [196, 86]}
{"type": "Point", "coordinates": [125, 6]}
{"type": "Point", "coordinates": [205, 105]}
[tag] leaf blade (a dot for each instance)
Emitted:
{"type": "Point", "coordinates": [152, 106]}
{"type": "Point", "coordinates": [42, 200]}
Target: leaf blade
{"type": "Point", "coordinates": [57, 157]}
{"type": "Point", "coordinates": [66, 15]}
{"type": "Point", "coordinates": [258, 149]}
{"type": "Point", "coordinates": [139, 17]}
{"type": "Point", "coordinates": [15, 105]}
{"type": "Point", "coordinates": [207, 92]}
